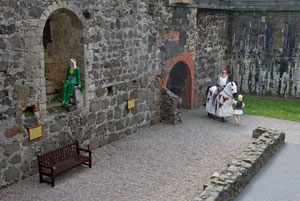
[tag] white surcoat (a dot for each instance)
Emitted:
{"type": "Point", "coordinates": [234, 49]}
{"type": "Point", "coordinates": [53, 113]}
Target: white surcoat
{"type": "Point", "coordinates": [222, 81]}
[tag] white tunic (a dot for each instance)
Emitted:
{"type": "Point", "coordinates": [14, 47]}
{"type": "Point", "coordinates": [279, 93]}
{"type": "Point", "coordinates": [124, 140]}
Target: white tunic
{"type": "Point", "coordinates": [222, 81]}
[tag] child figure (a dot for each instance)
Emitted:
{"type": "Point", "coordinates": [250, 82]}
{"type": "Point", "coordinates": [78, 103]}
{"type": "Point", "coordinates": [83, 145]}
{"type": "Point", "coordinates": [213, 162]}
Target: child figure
{"type": "Point", "coordinates": [239, 105]}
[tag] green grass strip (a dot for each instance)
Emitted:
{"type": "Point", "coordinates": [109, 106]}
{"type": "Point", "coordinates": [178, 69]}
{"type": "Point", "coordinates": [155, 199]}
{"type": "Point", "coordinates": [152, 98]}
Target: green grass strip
{"type": "Point", "coordinates": [272, 107]}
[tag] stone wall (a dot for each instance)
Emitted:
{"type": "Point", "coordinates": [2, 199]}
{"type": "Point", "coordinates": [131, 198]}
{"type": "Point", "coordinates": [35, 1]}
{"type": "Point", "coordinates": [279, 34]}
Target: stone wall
{"type": "Point", "coordinates": [228, 183]}
{"type": "Point", "coordinates": [177, 44]}
{"type": "Point", "coordinates": [120, 60]}
{"type": "Point", "coordinates": [265, 52]}
{"type": "Point", "coordinates": [125, 49]}
{"type": "Point", "coordinates": [212, 48]}
{"type": "Point", "coordinates": [170, 107]}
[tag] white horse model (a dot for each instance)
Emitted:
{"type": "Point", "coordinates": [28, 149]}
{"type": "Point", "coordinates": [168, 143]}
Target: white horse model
{"type": "Point", "coordinates": [223, 101]}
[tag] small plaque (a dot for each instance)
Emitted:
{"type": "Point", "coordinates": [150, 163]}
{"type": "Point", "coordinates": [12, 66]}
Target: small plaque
{"type": "Point", "coordinates": [35, 132]}
{"type": "Point", "coordinates": [130, 103]}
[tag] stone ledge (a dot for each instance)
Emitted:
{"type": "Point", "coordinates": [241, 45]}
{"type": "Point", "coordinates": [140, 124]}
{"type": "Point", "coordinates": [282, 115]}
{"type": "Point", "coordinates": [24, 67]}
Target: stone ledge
{"type": "Point", "coordinates": [227, 184]}
{"type": "Point", "coordinates": [181, 1]}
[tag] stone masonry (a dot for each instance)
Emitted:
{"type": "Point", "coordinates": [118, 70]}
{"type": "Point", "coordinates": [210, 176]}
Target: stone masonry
{"type": "Point", "coordinates": [228, 183]}
{"type": "Point", "coordinates": [125, 49]}
{"type": "Point", "coordinates": [169, 107]}
{"type": "Point", "coordinates": [121, 47]}
{"type": "Point", "coordinates": [264, 55]}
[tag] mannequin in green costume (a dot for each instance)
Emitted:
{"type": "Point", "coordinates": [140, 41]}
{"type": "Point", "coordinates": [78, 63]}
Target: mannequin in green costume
{"type": "Point", "coordinates": [72, 78]}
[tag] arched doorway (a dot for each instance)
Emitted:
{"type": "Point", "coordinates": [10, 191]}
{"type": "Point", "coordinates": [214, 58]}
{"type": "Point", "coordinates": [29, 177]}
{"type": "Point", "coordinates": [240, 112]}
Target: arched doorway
{"type": "Point", "coordinates": [62, 40]}
{"type": "Point", "coordinates": [179, 82]}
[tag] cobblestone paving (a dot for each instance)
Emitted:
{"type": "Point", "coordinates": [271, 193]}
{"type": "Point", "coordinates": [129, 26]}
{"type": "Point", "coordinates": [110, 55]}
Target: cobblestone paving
{"type": "Point", "coordinates": [161, 163]}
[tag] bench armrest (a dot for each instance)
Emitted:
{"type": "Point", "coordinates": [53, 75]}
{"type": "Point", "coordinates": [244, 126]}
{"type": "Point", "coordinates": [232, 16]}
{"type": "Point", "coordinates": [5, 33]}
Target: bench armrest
{"type": "Point", "coordinates": [85, 150]}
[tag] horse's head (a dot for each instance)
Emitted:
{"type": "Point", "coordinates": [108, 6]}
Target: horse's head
{"type": "Point", "coordinates": [231, 89]}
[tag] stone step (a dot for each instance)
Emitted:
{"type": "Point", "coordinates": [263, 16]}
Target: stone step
{"type": "Point", "coordinates": [50, 89]}
{"type": "Point", "coordinates": [53, 106]}
{"type": "Point", "coordinates": [50, 83]}
{"type": "Point", "coordinates": [55, 97]}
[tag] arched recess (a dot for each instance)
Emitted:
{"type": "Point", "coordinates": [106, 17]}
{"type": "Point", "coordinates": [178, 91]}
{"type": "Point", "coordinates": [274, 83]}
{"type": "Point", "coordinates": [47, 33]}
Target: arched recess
{"type": "Point", "coordinates": [62, 40]}
{"type": "Point", "coordinates": [180, 80]}
{"type": "Point", "coordinates": [179, 83]}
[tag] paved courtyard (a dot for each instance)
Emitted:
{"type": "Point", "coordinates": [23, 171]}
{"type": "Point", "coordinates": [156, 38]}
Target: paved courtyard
{"type": "Point", "coordinates": [278, 180]}
{"type": "Point", "coordinates": [160, 163]}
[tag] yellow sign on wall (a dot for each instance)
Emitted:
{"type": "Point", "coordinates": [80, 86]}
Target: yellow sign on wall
{"type": "Point", "coordinates": [130, 103]}
{"type": "Point", "coordinates": [35, 132]}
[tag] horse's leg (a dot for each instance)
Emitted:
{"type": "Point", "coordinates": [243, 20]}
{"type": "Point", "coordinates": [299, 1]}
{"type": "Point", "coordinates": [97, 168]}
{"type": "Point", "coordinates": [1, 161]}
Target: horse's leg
{"type": "Point", "coordinates": [222, 119]}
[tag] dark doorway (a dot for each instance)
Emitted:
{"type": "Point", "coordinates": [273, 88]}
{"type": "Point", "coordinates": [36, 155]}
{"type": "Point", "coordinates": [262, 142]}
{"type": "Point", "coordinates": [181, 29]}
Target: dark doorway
{"type": "Point", "coordinates": [179, 83]}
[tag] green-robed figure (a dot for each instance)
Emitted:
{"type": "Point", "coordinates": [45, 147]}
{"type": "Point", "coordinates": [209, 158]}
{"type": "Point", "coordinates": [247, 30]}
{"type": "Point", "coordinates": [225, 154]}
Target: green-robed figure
{"type": "Point", "coordinates": [72, 79]}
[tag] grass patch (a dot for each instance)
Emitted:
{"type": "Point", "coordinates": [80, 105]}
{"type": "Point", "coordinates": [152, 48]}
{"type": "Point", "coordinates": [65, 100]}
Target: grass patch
{"type": "Point", "coordinates": [56, 98]}
{"type": "Point", "coordinates": [272, 107]}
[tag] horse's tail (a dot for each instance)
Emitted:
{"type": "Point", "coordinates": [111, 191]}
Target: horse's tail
{"type": "Point", "coordinates": [207, 90]}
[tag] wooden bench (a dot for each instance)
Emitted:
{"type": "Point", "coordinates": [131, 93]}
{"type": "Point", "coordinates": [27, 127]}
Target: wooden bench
{"type": "Point", "coordinates": [60, 160]}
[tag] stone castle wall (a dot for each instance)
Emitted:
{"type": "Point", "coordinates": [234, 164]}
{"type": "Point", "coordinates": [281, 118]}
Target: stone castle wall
{"type": "Point", "coordinates": [265, 52]}
{"type": "Point", "coordinates": [123, 48]}
{"type": "Point", "coordinates": [212, 47]}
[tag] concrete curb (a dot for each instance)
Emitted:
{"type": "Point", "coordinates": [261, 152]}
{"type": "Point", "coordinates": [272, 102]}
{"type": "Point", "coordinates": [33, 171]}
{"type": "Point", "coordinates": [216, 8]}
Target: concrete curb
{"type": "Point", "coordinates": [227, 184]}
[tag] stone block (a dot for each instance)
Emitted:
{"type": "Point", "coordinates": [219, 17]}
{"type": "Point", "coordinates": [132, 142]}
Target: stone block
{"type": "Point", "coordinates": [11, 148]}
{"type": "Point", "coordinates": [79, 97]}
{"type": "Point", "coordinates": [118, 112]}
{"type": "Point", "coordinates": [9, 133]}
{"type": "Point", "coordinates": [2, 164]}
{"type": "Point", "coordinates": [258, 132]}
{"type": "Point", "coordinates": [120, 125]}
{"type": "Point", "coordinates": [29, 154]}
{"type": "Point", "coordinates": [3, 66]}
{"type": "Point", "coordinates": [55, 128]}
{"type": "Point", "coordinates": [100, 118]}
{"type": "Point", "coordinates": [15, 42]}
{"type": "Point", "coordinates": [11, 174]}
{"type": "Point", "coordinates": [100, 92]}
{"type": "Point", "coordinates": [95, 106]}
{"type": "Point", "coordinates": [50, 89]}
{"type": "Point", "coordinates": [16, 159]}
{"type": "Point", "coordinates": [33, 166]}
{"type": "Point", "coordinates": [35, 12]}
{"type": "Point", "coordinates": [91, 119]}
{"type": "Point", "coordinates": [94, 144]}
{"type": "Point", "coordinates": [21, 92]}
{"type": "Point", "coordinates": [2, 44]}
{"type": "Point", "coordinates": [48, 146]}
{"type": "Point", "coordinates": [25, 167]}
{"type": "Point", "coordinates": [7, 29]}
{"type": "Point", "coordinates": [113, 137]}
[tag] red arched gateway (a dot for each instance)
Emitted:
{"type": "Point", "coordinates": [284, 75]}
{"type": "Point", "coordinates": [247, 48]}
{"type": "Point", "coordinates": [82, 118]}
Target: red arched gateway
{"type": "Point", "coordinates": [180, 80]}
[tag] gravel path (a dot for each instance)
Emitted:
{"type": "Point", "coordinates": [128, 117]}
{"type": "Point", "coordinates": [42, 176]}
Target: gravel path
{"type": "Point", "coordinates": [161, 163]}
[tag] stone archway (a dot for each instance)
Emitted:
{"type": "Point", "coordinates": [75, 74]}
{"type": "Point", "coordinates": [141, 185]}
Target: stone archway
{"type": "Point", "coordinates": [62, 40]}
{"type": "Point", "coordinates": [179, 83]}
{"type": "Point", "coordinates": [181, 78]}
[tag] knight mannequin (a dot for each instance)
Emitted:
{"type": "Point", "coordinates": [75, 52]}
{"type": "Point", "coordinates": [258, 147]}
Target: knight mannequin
{"type": "Point", "coordinates": [221, 83]}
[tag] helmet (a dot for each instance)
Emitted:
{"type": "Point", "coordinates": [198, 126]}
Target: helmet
{"type": "Point", "coordinates": [224, 72]}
